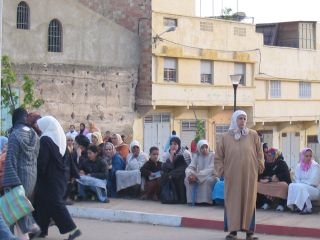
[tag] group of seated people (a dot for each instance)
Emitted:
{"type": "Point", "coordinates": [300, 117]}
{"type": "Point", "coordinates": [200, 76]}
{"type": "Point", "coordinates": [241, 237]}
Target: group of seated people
{"type": "Point", "coordinates": [109, 168]}
{"type": "Point", "coordinates": [277, 188]}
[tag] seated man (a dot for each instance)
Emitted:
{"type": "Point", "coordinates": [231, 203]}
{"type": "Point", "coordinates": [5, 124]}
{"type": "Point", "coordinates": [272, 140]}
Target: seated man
{"type": "Point", "coordinates": [93, 175]}
{"type": "Point", "coordinates": [200, 176]}
{"type": "Point", "coordinates": [131, 176]}
{"type": "Point", "coordinates": [150, 171]}
{"type": "Point", "coordinates": [274, 181]}
{"type": "Point", "coordinates": [307, 184]}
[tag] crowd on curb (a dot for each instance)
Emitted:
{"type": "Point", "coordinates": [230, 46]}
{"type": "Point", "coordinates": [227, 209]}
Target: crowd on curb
{"type": "Point", "coordinates": [56, 168]}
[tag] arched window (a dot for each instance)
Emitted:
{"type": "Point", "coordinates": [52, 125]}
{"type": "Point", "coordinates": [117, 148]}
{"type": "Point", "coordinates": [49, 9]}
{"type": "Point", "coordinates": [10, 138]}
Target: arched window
{"type": "Point", "coordinates": [23, 15]}
{"type": "Point", "coordinates": [55, 36]}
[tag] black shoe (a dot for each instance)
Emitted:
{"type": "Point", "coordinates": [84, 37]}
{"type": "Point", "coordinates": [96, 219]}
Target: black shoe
{"type": "Point", "coordinates": [76, 234]}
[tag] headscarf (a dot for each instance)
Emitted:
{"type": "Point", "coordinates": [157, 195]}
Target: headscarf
{"type": "Point", "coordinates": [201, 143]}
{"type": "Point", "coordinates": [109, 144]}
{"type": "Point", "coordinates": [92, 127]}
{"type": "Point", "coordinates": [233, 129]}
{"type": "Point", "coordinates": [82, 130]}
{"type": "Point", "coordinates": [98, 136]}
{"type": "Point", "coordinates": [265, 146]}
{"type": "Point", "coordinates": [133, 144]}
{"type": "Point", "coordinates": [303, 165]}
{"type": "Point", "coordinates": [275, 153]}
{"type": "Point", "coordinates": [3, 142]}
{"type": "Point", "coordinates": [51, 128]}
{"type": "Point", "coordinates": [119, 140]}
{"type": "Point", "coordinates": [19, 116]}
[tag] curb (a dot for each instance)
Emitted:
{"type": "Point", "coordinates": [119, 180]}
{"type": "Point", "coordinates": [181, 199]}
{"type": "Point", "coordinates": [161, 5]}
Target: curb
{"type": "Point", "coordinates": [125, 216]}
{"type": "Point", "coordinates": [177, 221]}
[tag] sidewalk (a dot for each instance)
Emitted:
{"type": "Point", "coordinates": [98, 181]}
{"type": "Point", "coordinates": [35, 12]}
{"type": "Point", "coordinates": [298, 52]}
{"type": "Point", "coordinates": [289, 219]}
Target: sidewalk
{"type": "Point", "coordinates": [211, 217]}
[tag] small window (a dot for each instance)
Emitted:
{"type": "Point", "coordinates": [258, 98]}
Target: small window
{"type": "Point", "coordinates": [206, 72]}
{"type": "Point", "coordinates": [170, 69]}
{"type": "Point", "coordinates": [304, 90]}
{"type": "Point", "coordinates": [240, 68]}
{"type": "Point", "coordinates": [55, 36]}
{"type": "Point", "coordinates": [237, 31]}
{"type": "Point", "coordinates": [206, 26]}
{"type": "Point", "coordinates": [23, 16]}
{"type": "Point", "coordinates": [170, 22]}
{"type": "Point", "coordinates": [306, 32]}
{"type": "Point", "coordinates": [275, 89]}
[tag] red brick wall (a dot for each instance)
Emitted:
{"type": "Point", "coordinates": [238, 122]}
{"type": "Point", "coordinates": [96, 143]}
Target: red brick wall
{"type": "Point", "coordinates": [135, 15]}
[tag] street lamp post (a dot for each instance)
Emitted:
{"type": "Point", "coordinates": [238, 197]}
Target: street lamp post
{"type": "Point", "coordinates": [235, 79]}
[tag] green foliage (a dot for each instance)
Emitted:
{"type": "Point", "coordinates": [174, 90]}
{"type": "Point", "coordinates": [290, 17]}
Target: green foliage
{"type": "Point", "coordinates": [200, 132]}
{"type": "Point", "coordinates": [9, 98]}
{"type": "Point", "coordinates": [227, 14]}
{"type": "Point", "coordinates": [29, 102]}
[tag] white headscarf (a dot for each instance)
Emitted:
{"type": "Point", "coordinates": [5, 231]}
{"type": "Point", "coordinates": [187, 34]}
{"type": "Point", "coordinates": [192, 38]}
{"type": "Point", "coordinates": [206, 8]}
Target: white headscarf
{"type": "Point", "coordinates": [233, 129]}
{"type": "Point", "coordinates": [51, 128]}
{"type": "Point", "coordinates": [201, 143]}
{"type": "Point", "coordinates": [134, 143]}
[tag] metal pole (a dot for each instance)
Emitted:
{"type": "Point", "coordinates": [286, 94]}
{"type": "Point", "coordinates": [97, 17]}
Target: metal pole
{"type": "Point", "coordinates": [212, 8]}
{"type": "Point", "coordinates": [235, 97]}
{"type": "Point", "coordinates": [200, 8]}
{"type": "Point", "coordinates": [237, 6]}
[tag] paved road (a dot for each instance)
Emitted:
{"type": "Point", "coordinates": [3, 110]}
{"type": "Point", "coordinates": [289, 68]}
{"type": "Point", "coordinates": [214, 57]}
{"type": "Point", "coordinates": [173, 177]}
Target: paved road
{"type": "Point", "coordinates": [99, 230]}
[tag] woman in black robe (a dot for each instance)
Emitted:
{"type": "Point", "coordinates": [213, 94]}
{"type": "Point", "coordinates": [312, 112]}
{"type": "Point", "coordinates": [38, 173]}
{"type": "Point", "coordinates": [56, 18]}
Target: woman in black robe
{"type": "Point", "coordinates": [51, 180]}
{"type": "Point", "coordinates": [173, 172]}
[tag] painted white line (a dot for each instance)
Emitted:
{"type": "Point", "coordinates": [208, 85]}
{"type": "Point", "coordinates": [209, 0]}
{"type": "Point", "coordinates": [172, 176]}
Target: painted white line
{"type": "Point", "coordinates": [125, 216]}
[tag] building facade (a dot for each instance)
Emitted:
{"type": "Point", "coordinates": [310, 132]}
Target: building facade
{"type": "Point", "coordinates": [191, 68]}
{"type": "Point", "coordinates": [84, 56]}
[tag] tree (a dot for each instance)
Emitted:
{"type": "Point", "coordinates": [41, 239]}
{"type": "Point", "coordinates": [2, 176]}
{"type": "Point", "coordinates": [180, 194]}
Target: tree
{"type": "Point", "coordinates": [200, 132]}
{"type": "Point", "coordinates": [227, 14]}
{"type": "Point", "coordinates": [9, 98]}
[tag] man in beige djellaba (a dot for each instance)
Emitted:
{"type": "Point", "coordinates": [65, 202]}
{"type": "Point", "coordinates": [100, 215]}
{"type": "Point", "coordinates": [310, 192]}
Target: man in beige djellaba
{"type": "Point", "coordinates": [239, 159]}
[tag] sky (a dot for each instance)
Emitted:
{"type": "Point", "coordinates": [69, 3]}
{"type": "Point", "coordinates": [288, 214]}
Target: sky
{"type": "Point", "coordinates": [265, 11]}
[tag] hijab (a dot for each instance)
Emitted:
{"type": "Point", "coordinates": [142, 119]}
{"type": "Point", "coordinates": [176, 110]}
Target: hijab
{"type": "Point", "coordinates": [98, 136]}
{"type": "Point", "coordinates": [135, 143]}
{"type": "Point", "coordinates": [303, 165]}
{"type": "Point", "coordinates": [119, 140]}
{"type": "Point", "coordinates": [200, 144]}
{"type": "Point", "coordinates": [234, 129]}
{"type": "Point", "coordinates": [51, 128]}
{"type": "Point", "coordinates": [92, 127]}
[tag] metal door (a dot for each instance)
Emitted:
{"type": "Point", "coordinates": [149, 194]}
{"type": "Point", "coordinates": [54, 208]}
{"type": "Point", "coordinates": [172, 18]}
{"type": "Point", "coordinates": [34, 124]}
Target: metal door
{"type": "Point", "coordinates": [291, 148]}
{"type": "Point", "coordinates": [156, 131]}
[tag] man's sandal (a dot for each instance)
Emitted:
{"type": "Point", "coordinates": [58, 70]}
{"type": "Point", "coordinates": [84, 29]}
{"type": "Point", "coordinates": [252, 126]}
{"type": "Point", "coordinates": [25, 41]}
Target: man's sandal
{"type": "Point", "coordinates": [231, 237]}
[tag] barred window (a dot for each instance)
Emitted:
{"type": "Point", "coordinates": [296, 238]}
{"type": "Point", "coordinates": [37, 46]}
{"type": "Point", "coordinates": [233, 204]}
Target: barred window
{"type": "Point", "coordinates": [23, 16]}
{"type": "Point", "coordinates": [220, 130]}
{"type": "Point", "coordinates": [238, 31]}
{"type": "Point", "coordinates": [206, 72]}
{"type": "Point", "coordinates": [275, 89]}
{"type": "Point", "coordinates": [206, 26]}
{"type": "Point", "coordinates": [55, 36]}
{"type": "Point", "coordinates": [304, 90]}
{"type": "Point", "coordinates": [170, 69]}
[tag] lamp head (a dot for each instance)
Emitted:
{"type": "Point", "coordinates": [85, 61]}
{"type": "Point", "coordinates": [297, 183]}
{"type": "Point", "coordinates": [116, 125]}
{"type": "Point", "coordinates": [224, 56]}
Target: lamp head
{"type": "Point", "coordinates": [235, 78]}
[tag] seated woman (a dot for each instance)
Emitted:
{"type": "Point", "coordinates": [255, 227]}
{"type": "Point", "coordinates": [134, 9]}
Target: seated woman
{"type": "Point", "coordinates": [150, 171]}
{"type": "Point", "coordinates": [116, 164]}
{"type": "Point", "coordinates": [121, 147]}
{"type": "Point", "coordinates": [96, 139]}
{"type": "Point", "coordinates": [131, 176]}
{"type": "Point", "coordinates": [182, 151]}
{"type": "Point", "coordinates": [200, 177]}
{"type": "Point", "coordinates": [274, 181]}
{"type": "Point", "coordinates": [307, 183]}
{"type": "Point", "coordinates": [93, 175]}
{"type": "Point", "coordinates": [173, 173]}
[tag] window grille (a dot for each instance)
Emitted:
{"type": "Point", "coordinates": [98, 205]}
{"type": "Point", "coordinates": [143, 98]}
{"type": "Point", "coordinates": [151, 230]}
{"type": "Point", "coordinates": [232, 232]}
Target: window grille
{"type": "Point", "coordinates": [275, 89]}
{"type": "Point", "coordinates": [237, 31]}
{"type": "Point", "coordinates": [206, 26]}
{"type": "Point", "coordinates": [220, 130]}
{"type": "Point", "coordinates": [304, 90]}
{"type": "Point", "coordinates": [55, 36]}
{"type": "Point", "coordinates": [23, 16]}
{"type": "Point", "coordinates": [206, 72]}
{"type": "Point", "coordinates": [170, 69]}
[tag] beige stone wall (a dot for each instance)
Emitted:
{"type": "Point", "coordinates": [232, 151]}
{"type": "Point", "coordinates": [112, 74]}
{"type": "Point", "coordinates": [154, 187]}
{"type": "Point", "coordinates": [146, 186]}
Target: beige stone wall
{"type": "Point", "coordinates": [75, 94]}
{"type": "Point", "coordinates": [88, 37]}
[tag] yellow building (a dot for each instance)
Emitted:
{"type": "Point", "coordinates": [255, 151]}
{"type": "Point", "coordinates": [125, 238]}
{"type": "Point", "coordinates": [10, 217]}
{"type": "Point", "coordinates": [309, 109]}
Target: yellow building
{"type": "Point", "coordinates": [191, 68]}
